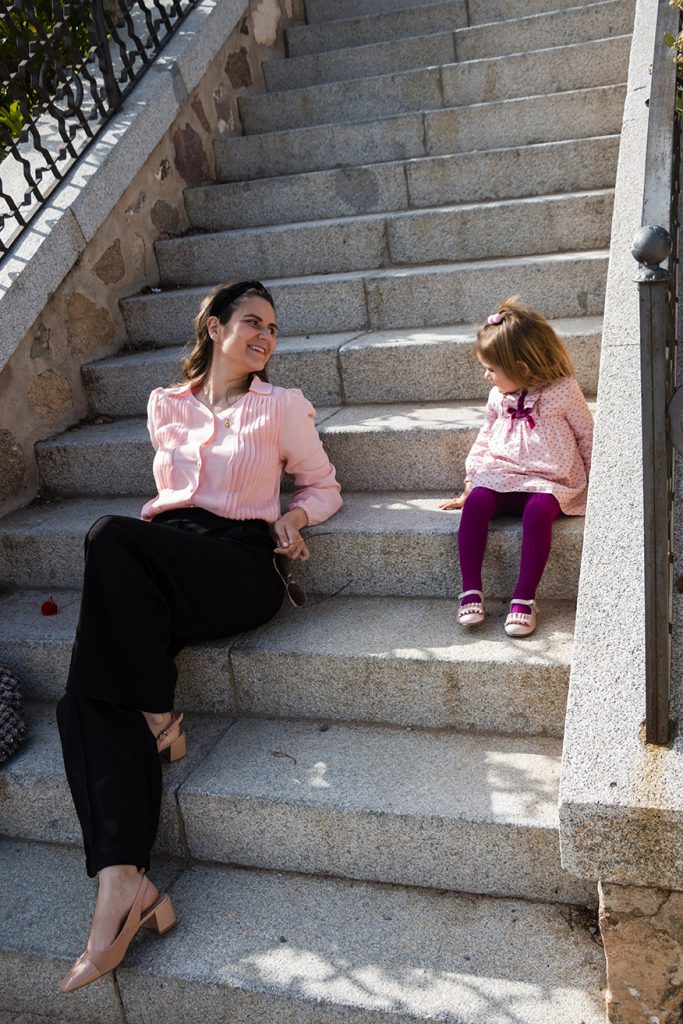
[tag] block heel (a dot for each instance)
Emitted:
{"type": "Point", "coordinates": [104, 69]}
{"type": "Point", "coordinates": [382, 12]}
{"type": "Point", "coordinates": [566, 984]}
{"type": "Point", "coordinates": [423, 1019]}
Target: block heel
{"type": "Point", "coordinates": [161, 917]}
{"type": "Point", "coordinates": [176, 750]}
{"type": "Point", "coordinates": [171, 740]}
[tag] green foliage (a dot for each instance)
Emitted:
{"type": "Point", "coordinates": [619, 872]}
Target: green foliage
{"type": "Point", "coordinates": [676, 44]}
{"type": "Point", "coordinates": [31, 80]}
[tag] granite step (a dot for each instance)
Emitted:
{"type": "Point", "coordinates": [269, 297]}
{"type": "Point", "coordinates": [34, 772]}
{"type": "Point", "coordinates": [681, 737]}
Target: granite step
{"type": "Point", "coordinates": [441, 809]}
{"type": "Point", "coordinates": [120, 385]}
{"type": "Point", "coordinates": [504, 35]}
{"type": "Point", "coordinates": [104, 458]}
{"type": "Point", "coordinates": [372, 28]}
{"type": "Point", "coordinates": [363, 57]}
{"type": "Point", "coordinates": [256, 946]}
{"type": "Point", "coordinates": [403, 544]}
{"type": "Point", "coordinates": [563, 285]}
{"type": "Point", "coordinates": [399, 446]}
{"type": "Point", "coordinates": [391, 660]}
{"type": "Point", "coordinates": [378, 544]}
{"type": "Point", "coordinates": [445, 810]}
{"type": "Point", "coordinates": [360, 368]}
{"type": "Point", "coordinates": [576, 113]}
{"type": "Point", "coordinates": [574, 165]}
{"type": "Point", "coordinates": [36, 802]}
{"type": "Point", "coordinates": [551, 70]}
{"type": "Point", "coordinates": [479, 11]}
{"type": "Point", "coordinates": [578, 24]}
{"type": "Point", "coordinates": [478, 231]}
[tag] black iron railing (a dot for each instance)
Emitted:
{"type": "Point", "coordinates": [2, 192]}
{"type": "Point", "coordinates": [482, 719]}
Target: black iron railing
{"type": "Point", "coordinates": [66, 68]}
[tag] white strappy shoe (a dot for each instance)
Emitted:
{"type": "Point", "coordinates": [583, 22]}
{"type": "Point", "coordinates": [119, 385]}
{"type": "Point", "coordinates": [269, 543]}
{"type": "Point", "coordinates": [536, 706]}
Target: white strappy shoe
{"type": "Point", "coordinates": [473, 613]}
{"type": "Point", "coordinates": [521, 623]}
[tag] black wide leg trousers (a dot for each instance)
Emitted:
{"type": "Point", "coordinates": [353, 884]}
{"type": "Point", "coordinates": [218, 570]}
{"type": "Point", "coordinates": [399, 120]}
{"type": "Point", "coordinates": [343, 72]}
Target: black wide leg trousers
{"type": "Point", "coordinates": [149, 588]}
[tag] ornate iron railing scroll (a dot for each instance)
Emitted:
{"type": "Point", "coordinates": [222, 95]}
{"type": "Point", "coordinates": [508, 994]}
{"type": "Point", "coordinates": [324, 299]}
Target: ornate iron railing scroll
{"type": "Point", "coordinates": [66, 69]}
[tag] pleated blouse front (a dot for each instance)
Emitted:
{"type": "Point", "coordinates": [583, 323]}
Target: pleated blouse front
{"type": "Point", "coordinates": [232, 463]}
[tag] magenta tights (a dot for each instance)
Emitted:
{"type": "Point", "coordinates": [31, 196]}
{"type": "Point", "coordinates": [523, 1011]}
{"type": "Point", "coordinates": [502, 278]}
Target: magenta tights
{"type": "Point", "coordinates": [538, 512]}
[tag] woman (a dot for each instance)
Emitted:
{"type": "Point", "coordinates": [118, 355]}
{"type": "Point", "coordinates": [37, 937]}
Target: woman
{"type": "Point", "coordinates": [199, 565]}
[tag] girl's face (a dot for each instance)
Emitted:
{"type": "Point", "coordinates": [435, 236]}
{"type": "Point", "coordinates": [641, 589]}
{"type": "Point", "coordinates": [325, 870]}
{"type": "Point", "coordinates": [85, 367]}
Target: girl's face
{"type": "Point", "coordinates": [498, 379]}
{"type": "Point", "coordinates": [247, 341]}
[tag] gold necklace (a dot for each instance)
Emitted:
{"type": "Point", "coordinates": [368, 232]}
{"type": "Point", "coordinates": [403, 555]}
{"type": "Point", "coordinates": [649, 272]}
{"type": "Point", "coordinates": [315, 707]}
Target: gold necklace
{"type": "Point", "coordinates": [228, 402]}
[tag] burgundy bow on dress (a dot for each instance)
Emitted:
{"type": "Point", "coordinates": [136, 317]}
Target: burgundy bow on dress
{"type": "Point", "coordinates": [520, 412]}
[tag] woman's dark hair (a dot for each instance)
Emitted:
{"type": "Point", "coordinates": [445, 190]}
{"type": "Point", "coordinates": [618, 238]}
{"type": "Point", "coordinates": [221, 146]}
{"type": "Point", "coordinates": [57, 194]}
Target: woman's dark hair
{"type": "Point", "coordinates": [221, 302]}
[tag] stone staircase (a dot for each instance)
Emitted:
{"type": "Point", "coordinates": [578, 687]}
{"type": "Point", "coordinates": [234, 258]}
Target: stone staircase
{"type": "Point", "coordinates": [366, 825]}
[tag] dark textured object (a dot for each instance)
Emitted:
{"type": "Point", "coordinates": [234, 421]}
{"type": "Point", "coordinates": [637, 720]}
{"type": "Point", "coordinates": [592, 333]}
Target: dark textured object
{"type": "Point", "coordinates": [12, 721]}
{"type": "Point", "coordinates": [650, 246]}
{"type": "Point", "coordinates": [77, 63]}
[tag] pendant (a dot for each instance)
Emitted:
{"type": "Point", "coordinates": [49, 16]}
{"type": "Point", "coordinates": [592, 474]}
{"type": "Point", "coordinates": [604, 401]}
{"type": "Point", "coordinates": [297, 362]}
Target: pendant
{"type": "Point", "coordinates": [227, 421]}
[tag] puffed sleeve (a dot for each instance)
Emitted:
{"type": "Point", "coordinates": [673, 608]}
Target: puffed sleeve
{"type": "Point", "coordinates": [302, 454]}
{"type": "Point", "coordinates": [153, 416]}
{"type": "Point", "coordinates": [581, 422]}
{"type": "Point", "coordinates": [481, 442]}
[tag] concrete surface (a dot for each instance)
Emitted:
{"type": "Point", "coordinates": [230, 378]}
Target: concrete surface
{"type": "Point", "coordinates": [465, 811]}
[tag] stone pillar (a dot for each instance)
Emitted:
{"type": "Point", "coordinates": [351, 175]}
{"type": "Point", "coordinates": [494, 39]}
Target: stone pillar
{"type": "Point", "coordinates": [642, 930]}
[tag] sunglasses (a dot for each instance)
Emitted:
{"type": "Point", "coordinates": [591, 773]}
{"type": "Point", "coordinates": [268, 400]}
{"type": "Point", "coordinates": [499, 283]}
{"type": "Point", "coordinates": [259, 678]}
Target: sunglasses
{"type": "Point", "coordinates": [295, 592]}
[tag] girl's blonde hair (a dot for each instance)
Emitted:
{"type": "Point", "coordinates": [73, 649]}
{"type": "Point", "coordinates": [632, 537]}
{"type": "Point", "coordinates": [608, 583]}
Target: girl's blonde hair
{"type": "Point", "coordinates": [523, 335]}
{"type": "Point", "coordinates": [222, 301]}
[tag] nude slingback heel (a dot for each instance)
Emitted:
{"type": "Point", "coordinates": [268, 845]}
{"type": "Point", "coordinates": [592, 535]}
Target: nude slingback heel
{"type": "Point", "coordinates": [161, 917]}
{"type": "Point", "coordinates": [94, 964]}
{"type": "Point", "coordinates": [171, 740]}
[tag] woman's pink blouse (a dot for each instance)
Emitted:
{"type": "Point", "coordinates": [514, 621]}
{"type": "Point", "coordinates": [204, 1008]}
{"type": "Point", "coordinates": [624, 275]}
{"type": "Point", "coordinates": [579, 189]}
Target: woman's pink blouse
{"type": "Point", "coordinates": [236, 471]}
{"type": "Point", "coordinates": [543, 445]}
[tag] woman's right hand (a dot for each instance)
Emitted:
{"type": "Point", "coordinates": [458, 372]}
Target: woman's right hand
{"type": "Point", "coordinates": [454, 503]}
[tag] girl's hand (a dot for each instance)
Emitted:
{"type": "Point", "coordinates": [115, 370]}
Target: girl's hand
{"type": "Point", "coordinates": [459, 501]}
{"type": "Point", "coordinates": [288, 536]}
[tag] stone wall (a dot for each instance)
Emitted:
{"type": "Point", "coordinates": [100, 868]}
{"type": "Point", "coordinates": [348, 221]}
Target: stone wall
{"type": "Point", "coordinates": [41, 391]}
{"type": "Point", "coordinates": [642, 930]}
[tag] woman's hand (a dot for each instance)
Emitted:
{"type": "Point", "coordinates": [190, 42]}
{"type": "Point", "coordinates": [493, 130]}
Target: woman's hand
{"type": "Point", "coordinates": [288, 536]}
{"type": "Point", "coordinates": [458, 502]}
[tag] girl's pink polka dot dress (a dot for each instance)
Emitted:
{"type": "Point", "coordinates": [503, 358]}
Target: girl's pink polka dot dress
{"type": "Point", "coordinates": [536, 441]}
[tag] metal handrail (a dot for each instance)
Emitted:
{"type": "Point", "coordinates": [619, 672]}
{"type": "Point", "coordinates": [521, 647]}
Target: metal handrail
{"type": "Point", "coordinates": [66, 69]}
{"type": "Point", "coordinates": [661, 406]}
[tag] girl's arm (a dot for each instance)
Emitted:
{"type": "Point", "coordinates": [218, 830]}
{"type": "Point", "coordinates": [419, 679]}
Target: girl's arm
{"type": "Point", "coordinates": [479, 447]}
{"type": "Point", "coordinates": [580, 420]}
{"type": "Point", "coordinates": [481, 442]}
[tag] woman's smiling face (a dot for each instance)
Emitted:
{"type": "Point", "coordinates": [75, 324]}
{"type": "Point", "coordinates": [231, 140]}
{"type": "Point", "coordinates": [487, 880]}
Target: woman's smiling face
{"type": "Point", "coordinates": [247, 341]}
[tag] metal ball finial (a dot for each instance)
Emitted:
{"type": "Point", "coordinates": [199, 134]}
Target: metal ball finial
{"type": "Point", "coordinates": [650, 246]}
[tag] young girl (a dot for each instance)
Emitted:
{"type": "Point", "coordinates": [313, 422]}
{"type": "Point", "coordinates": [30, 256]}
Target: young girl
{"type": "Point", "coordinates": [531, 457]}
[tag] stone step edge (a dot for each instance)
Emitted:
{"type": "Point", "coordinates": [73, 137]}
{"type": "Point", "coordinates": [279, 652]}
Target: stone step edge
{"type": "Point", "coordinates": [369, 218]}
{"type": "Point", "coordinates": [248, 781]}
{"type": "Point", "coordinates": [391, 76]}
{"type": "Point", "coordinates": [330, 18]}
{"type": "Point", "coordinates": [408, 161]}
{"type": "Point", "coordinates": [463, 334]}
{"type": "Point", "coordinates": [453, 32]}
{"type": "Point", "coordinates": [186, 775]}
{"type": "Point", "coordinates": [482, 938]}
{"type": "Point", "coordinates": [226, 141]}
{"type": "Point", "coordinates": [131, 504]}
{"type": "Point", "coordinates": [461, 415]}
{"type": "Point", "coordinates": [391, 271]}
{"type": "Point", "coordinates": [383, 639]}
{"type": "Point", "coordinates": [463, 28]}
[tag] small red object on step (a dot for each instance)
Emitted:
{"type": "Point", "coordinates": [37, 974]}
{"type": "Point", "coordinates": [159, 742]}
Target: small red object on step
{"type": "Point", "coordinates": [49, 607]}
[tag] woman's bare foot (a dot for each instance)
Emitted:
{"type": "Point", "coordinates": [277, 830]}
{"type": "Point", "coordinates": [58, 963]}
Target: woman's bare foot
{"type": "Point", "coordinates": [118, 887]}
